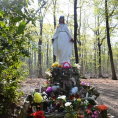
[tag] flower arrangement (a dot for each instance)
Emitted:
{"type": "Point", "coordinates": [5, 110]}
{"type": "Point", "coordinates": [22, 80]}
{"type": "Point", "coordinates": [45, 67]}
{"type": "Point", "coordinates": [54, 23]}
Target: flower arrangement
{"type": "Point", "coordinates": [56, 64]}
{"type": "Point", "coordinates": [95, 114]}
{"type": "Point", "coordinates": [86, 84]}
{"type": "Point", "coordinates": [102, 107]}
{"type": "Point", "coordinates": [77, 104]}
{"type": "Point", "coordinates": [38, 114]}
{"type": "Point", "coordinates": [60, 102]}
{"type": "Point", "coordinates": [69, 109]}
{"type": "Point", "coordinates": [85, 103]}
{"type": "Point", "coordinates": [92, 113]}
{"type": "Point", "coordinates": [103, 110]}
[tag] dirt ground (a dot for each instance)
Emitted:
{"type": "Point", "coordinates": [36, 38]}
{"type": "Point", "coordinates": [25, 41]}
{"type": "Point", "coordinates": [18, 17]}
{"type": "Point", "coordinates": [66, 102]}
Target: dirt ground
{"type": "Point", "coordinates": [107, 88]}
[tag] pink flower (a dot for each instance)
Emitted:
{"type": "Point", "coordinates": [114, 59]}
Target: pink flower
{"type": "Point", "coordinates": [93, 116]}
{"type": "Point", "coordinates": [47, 82]}
{"type": "Point", "coordinates": [95, 112]}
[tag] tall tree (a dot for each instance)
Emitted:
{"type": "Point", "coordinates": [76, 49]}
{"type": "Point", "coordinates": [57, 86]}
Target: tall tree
{"type": "Point", "coordinates": [75, 31]}
{"type": "Point", "coordinates": [39, 49]}
{"type": "Point", "coordinates": [42, 3]}
{"type": "Point", "coordinates": [108, 42]}
{"type": "Point", "coordinates": [54, 17]}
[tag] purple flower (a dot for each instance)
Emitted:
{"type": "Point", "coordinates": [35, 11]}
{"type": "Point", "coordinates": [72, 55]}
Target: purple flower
{"type": "Point", "coordinates": [49, 90]}
{"type": "Point", "coordinates": [83, 83]}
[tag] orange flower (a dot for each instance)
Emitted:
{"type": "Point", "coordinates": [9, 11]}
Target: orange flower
{"type": "Point", "coordinates": [102, 107]}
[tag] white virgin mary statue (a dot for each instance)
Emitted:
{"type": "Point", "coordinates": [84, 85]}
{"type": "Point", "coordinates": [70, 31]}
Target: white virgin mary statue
{"type": "Point", "coordinates": [62, 42]}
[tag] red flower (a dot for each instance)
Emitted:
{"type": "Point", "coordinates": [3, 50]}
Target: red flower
{"type": "Point", "coordinates": [102, 107]}
{"type": "Point", "coordinates": [38, 114]}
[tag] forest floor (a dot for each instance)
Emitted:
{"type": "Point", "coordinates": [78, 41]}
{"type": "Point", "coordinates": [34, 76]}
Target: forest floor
{"type": "Point", "coordinates": [107, 88]}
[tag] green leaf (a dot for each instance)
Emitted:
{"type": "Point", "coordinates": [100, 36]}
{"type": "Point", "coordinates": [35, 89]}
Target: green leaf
{"type": "Point", "coordinates": [17, 19]}
{"type": "Point", "coordinates": [10, 41]}
{"type": "Point", "coordinates": [2, 23]}
{"type": "Point", "coordinates": [1, 13]}
{"type": "Point", "coordinates": [1, 51]}
{"type": "Point", "coordinates": [21, 27]}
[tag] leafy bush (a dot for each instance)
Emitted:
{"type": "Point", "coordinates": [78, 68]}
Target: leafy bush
{"type": "Point", "coordinates": [14, 43]}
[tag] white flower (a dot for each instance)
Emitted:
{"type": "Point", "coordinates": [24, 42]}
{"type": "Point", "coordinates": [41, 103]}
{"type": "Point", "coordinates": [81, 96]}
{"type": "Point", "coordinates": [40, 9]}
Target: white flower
{"type": "Point", "coordinates": [86, 102]}
{"type": "Point", "coordinates": [77, 65]}
{"type": "Point", "coordinates": [93, 97]}
{"type": "Point", "coordinates": [62, 97]}
{"type": "Point", "coordinates": [48, 73]}
{"type": "Point", "coordinates": [67, 104]}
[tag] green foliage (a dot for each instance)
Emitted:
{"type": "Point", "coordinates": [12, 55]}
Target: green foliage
{"type": "Point", "coordinates": [14, 43]}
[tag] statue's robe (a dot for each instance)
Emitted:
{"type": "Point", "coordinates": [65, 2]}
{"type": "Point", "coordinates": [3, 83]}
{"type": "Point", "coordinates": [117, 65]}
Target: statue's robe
{"type": "Point", "coordinates": [62, 45]}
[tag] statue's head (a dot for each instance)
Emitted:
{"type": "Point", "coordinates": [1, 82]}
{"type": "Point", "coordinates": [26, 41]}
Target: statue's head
{"type": "Point", "coordinates": [61, 19]}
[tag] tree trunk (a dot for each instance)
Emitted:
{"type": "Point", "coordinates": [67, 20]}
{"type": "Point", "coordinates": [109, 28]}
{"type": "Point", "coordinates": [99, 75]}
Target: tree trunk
{"type": "Point", "coordinates": [99, 50]}
{"type": "Point", "coordinates": [75, 31]}
{"type": "Point", "coordinates": [109, 44]}
{"type": "Point", "coordinates": [39, 50]}
{"type": "Point", "coordinates": [47, 52]}
{"type": "Point", "coordinates": [79, 35]}
{"type": "Point", "coordinates": [35, 72]}
{"type": "Point", "coordinates": [54, 17]}
{"type": "Point", "coordinates": [29, 63]}
{"type": "Point", "coordinates": [95, 70]}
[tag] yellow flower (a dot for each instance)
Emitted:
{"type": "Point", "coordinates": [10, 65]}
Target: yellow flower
{"type": "Point", "coordinates": [56, 64]}
{"type": "Point", "coordinates": [79, 99]}
{"type": "Point", "coordinates": [53, 65]}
